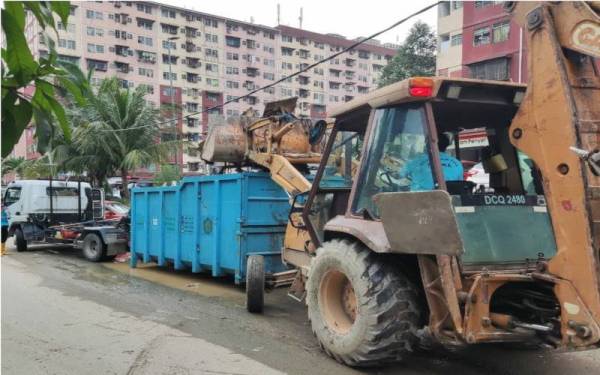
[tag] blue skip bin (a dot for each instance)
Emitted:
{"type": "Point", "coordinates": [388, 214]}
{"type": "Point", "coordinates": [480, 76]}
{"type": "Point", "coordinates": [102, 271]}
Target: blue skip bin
{"type": "Point", "coordinates": [211, 224]}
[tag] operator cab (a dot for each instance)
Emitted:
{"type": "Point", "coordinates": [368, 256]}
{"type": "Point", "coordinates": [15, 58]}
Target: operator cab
{"type": "Point", "coordinates": [446, 134]}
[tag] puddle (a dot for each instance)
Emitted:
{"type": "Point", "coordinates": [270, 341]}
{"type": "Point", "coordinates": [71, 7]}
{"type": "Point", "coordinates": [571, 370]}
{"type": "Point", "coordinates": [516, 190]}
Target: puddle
{"type": "Point", "coordinates": [200, 284]}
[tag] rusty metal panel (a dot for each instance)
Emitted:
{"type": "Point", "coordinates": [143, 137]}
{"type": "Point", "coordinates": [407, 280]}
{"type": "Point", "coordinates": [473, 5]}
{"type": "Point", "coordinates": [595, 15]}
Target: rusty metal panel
{"type": "Point", "coordinates": [420, 222]}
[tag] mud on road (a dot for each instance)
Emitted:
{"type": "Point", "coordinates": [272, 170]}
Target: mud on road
{"type": "Point", "coordinates": [197, 311]}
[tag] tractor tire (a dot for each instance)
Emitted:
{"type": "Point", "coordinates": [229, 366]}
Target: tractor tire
{"type": "Point", "coordinates": [255, 283]}
{"type": "Point", "coordinates": [362, 311]}
{"type": "Point", "coordinates": [93, 247]}
{"type": "Point", "coordinates": [20, 241]}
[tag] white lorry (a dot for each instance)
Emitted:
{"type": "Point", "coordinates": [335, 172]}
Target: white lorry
{"type": "Point", "coordinates": [65, 212]}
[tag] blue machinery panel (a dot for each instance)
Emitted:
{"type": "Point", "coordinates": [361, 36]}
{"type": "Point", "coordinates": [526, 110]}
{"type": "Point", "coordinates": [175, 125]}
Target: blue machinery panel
{"type": "Point", "coordinates": [210, 223]}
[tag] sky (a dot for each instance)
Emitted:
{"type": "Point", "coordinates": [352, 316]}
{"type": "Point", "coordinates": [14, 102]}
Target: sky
{"type": "Point", "coordinates": [350, 18]}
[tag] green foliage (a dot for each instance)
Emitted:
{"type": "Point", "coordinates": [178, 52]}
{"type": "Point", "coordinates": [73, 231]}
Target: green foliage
{"type": "Point", "coordinates": [167, 174]}
{"type": "Point", "coordinates": [13, 165]}
{"type": "Point", "coordinates": [30, 169]}
{"type": "Point", "coordinates": [21, 70]}
{"type": "Point", "coordinates": [114, 132]}
{"type": "Point", "coordinates": [415, 58]}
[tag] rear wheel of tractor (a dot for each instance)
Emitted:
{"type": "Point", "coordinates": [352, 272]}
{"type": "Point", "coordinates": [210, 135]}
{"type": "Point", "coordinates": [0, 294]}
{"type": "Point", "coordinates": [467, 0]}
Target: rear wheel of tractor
{"type": "Point", "coordinates": [362, 311]}
{"type": "Point", "coordinates": [93, 247]}
{"type": "Point", "coordinates": [20, 240]}
{"type": "Point", "coordinates": [255, 283]}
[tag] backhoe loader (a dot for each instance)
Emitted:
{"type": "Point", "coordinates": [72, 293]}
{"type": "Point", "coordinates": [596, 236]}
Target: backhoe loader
{"type": "Point", "coordinates": [392, 245]}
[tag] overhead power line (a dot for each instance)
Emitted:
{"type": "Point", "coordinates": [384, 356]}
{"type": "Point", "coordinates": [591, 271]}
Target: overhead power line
{"type": "Point", "coordinates": [324, 60]}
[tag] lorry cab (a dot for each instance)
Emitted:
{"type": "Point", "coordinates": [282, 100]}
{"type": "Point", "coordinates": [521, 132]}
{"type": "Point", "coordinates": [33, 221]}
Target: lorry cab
{"type": "Point", "coordinates": [33, 206]}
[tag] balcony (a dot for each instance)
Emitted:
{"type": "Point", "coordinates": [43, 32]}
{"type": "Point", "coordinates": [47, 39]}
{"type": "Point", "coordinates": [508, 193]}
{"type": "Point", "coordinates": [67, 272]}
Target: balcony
{"type": "Point", "coordinates": [304, 54]}
{"type": "Point", "coordinates": [250, 85]}
{"type": "Point", "coordinates": [252, 72]}
{"type": "Point", "coordinates": [123, 51]}
{"type": "Point", "coordinates": [191, 33]}
{"type": "Point", "coordinates": [192, 78]}
{"type": "Point", "coordinates": [234, 42]}
{"type": "Point", "coordinates": [193, 63]}
{"type": "Point", "coordinates": [303, 80]}
{"type": "Point", "coordinates": [122, 67]}
{"type": "Point", "coordinates": [169, 29]}
{"type": "Point", "coordinates": [146, 57]}
{"type": "Point", "coordinates": [303, 93]}
{"type": "Point", "coordinates": [190, 47]}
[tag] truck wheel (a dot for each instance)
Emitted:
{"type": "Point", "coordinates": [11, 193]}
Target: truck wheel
{"type": "Point", "coordinates": [362, 311]}
{"type": "Point", "coordinates": [255, 283]}
{"type": "Point", "coordinates": [20, 240]}
{"type": "Point", "coordinates": [93, 247]}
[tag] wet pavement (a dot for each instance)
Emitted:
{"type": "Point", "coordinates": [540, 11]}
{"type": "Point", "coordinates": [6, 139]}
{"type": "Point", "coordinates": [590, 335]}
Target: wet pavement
{"type": "Point", "coordinates": [64, 315]}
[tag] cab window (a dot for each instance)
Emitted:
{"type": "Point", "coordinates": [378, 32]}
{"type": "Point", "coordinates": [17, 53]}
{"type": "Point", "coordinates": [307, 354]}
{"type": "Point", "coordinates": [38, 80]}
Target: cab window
{"type": "Point", "coordinates": [397, 144]}
{"type": "Point", "coordinates": [12, 195]}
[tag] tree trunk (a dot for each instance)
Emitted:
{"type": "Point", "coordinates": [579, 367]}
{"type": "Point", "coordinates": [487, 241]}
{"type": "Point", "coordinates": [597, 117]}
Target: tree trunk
{"type": "Point", "coordinates": [125, 182]}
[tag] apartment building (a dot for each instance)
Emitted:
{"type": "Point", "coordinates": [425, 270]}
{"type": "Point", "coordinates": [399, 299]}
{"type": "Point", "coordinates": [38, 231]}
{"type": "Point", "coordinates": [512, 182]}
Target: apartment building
{"type": "Point", "coordinates": [450, 39]}
{"type": "Point", "coordinates": [192, 61]}
{"type": "Point", "coordinates": [478, 39]}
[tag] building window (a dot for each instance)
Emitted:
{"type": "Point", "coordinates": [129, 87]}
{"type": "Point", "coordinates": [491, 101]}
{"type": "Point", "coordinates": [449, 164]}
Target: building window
{"type": "Point", "coordinates": [171, 76]}
{"type": "Point", "coordinates": [444, 8]}
{"type": "Point", "coordinates": [232, 70]}
{"type": "Point", "coordinates": [483, 4]}
{"type": "Point", "coordinates": [70, 27]}
{"type": "Point", "coordinates": [214, 68]}
{"type": "Point", "coordinates": [146, 72]}
{"type": "Point", "coordinates": [211, 23]}
{"type": "Point", "coordinates": [145, 40]}
{"type": "Point", "coordinates": [95, 48]}
{"type": "Point", "coordinates": [169, 91]}
{"type": "Point", "coordinates": [481, 36]}
{"type": "Point", "coordinates": [211, 38]}
{"type": "Point", "coordinates": [232, 56]}
{"type": "Point", "coordinates": [269, 76]}
{"type": "Point", "coordinates": [496, 69]}
{"type": "Point", "coordinates": [167, 13]}
{"type": "Point", "coordinates": [144, 23]}
{"type": "Point", "coordinates": [456, 4]}
{"type": "Point", "coordinates": [90, 14]}
{"type": "Point", "coordinates": [444, 43]}
{"type": "Point", "coordinates": [232, 42]}
{"type": "Point", "coordinates": [97, 65]}
{"type": "Point", "coordinates": [212, 82]}
{"type": "Point", "coordinates": [144, 8]}
{"type": "Point", "coordinates": [211, 53]}
{"type": "Point", "coordinates": [94, 31]}
{"type": "Point", "coordinates": [169, 44]}
{"type": "Point", "coordinates": [287, 39]}
{"type": "Point", "coordinates": [456, 40]}
{"type": "Point", "coordinates": [232, 85]}
{"type": "Point", "coordinates": [501, 31]}
{"type": "Point", "coordinates": [66, 43]}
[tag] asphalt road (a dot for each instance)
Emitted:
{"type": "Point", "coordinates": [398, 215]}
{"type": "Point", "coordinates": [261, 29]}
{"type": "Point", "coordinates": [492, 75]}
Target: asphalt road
{"type": "Point", "coordinates": [63, 315]}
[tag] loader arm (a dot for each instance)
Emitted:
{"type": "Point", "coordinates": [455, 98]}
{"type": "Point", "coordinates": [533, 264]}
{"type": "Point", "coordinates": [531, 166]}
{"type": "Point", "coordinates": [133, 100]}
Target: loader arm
{"type": "Point", "coordinates": [561, 110]}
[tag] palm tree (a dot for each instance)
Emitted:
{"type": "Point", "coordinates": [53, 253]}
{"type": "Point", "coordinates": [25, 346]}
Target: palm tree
{"type": "Point", "coordinates": [115, 132]}
{"type": "Point", "coordinates": [13, 165]}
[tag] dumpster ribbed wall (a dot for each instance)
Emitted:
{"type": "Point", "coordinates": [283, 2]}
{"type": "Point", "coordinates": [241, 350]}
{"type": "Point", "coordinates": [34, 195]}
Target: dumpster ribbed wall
{"type": "Point", "coordinates": [210, 223]}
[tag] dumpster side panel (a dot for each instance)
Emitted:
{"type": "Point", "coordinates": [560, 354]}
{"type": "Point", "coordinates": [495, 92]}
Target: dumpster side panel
{"type": "Point", "coordinates": [169, 217]}
{"type": "Point", "coordinates": [264, 203]}
{"type": "Point", "coordinates": [187, 230]}
{"type": "Point", "coordinates": [211, 223]}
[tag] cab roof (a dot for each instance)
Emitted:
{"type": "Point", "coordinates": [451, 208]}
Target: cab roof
{"type": "Point", "coordinates": [399, 92]}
